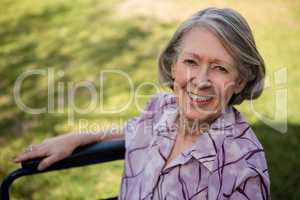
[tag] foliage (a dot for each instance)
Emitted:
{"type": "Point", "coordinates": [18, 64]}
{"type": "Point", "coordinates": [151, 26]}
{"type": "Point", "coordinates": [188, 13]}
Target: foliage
{"type": "Point", "coordinates": [83, 38]}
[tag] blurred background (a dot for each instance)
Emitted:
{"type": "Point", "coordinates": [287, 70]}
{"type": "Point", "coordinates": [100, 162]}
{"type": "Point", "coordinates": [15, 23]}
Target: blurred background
{"type": "Point", "coordinates": [76, 40]}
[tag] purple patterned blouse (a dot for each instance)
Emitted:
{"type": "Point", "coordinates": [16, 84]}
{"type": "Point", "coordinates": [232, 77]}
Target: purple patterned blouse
{"type": "Point", "coordinates": [226, 162]}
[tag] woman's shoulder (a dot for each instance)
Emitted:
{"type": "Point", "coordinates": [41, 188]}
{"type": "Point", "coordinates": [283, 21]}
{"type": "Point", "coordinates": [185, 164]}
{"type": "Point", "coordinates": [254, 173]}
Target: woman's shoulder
{"type": "Point", "coordinates": [242, 154]}
{"type": "Point", "coordinates": [244, 144]}
{"type": "Point", "coordinates": [243, 134]}
{"type": "Point", "coordinates": [139, 130]}
{"type": "Point", "coordinates": [160, 101]}
{"type": "Point", "coordinates": [154, 109]}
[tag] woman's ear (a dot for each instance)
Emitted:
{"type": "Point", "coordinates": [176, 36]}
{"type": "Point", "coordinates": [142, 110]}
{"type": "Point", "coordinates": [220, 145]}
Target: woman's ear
{"type": "Point", "coordinates": [240, 85]}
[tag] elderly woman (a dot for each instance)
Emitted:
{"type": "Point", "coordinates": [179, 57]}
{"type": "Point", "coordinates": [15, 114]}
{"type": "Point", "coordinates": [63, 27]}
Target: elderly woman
{"type": "Point", "coordinates": [192, 143]}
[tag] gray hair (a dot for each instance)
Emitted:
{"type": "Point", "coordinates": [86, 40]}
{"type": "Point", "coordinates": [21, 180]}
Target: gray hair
{"type": "Point", "coordinates": [236, 36]}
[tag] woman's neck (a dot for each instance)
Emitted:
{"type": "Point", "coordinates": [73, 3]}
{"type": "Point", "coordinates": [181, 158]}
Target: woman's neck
{"type": "Point", "coordinates": [191, 129]}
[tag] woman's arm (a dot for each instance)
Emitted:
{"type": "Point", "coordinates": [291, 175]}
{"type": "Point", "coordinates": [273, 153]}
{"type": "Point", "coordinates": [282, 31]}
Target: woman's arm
{"type": "Point", "coordinates": [108, 134]}
{"type": "Point", "coordinates": [57, 148]}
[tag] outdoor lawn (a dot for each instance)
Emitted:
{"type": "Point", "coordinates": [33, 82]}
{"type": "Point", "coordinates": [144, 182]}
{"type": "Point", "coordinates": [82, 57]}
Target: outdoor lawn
{"type": "Point", "coordinates": [99, 41]}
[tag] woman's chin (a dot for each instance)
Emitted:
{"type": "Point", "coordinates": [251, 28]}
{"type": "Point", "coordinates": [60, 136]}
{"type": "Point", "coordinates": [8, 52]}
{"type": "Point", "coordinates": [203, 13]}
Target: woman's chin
{"type": "Point", "coordinates": [202, 116]}
{"type": "Point", "coordinates": [196, 116]}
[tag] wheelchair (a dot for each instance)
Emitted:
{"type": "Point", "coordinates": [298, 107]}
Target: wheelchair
{"type": "Point", "coordinates": [100, 152]}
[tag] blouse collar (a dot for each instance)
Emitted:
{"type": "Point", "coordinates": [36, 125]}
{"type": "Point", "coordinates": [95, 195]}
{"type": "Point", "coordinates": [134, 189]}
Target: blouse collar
{"type": "Point", "coordinates": [206, 146]}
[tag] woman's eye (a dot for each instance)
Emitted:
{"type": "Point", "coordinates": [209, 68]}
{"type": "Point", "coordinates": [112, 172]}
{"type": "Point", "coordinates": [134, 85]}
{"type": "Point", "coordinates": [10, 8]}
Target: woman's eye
{"type": "Point", "coordinates": [190, 62]}
{"type": "Point", "coordinates": [220, 68]}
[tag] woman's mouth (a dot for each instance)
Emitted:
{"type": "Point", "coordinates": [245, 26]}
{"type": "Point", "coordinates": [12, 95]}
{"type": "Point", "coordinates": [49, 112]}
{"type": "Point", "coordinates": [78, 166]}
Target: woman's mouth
{"type": "Point", "coordinates": [200, 99]}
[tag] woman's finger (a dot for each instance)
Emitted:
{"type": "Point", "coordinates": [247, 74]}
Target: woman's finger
{"type": "Point", "coordinates": [47, 162]}
{"type": "Point", "coordinates": [31, 150]}
{"type": "Point", "coordinates": [30, 155]}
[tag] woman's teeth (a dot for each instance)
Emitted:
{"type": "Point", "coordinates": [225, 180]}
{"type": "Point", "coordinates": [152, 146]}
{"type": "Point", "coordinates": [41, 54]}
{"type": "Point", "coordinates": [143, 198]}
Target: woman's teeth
{"type": "Point", "coordinates": [199, 97]}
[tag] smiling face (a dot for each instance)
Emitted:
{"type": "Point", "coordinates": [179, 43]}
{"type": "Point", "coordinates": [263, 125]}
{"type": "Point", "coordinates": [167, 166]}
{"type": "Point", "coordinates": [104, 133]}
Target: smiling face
{"type": "Point", "coordinates": [204, 76]}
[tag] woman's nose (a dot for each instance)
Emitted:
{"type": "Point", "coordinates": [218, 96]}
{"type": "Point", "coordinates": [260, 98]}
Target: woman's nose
{"type": "Point", "coordinates": [201, 78]}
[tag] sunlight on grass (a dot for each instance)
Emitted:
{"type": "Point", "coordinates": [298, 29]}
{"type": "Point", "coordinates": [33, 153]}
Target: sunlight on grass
{"type": "Point", "coordinates": [80, 39]}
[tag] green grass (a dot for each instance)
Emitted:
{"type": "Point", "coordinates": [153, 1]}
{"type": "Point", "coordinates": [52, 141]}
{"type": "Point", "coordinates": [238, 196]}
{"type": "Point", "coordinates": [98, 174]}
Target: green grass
{"type": "Point", "coordinates": [82, 38]}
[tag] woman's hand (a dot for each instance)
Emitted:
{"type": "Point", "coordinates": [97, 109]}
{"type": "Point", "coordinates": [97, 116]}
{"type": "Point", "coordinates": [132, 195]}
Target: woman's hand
{"type": "Point", "coordinates": [52, 149]}
{"type": "Point", "coordinates": [57, 148]}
